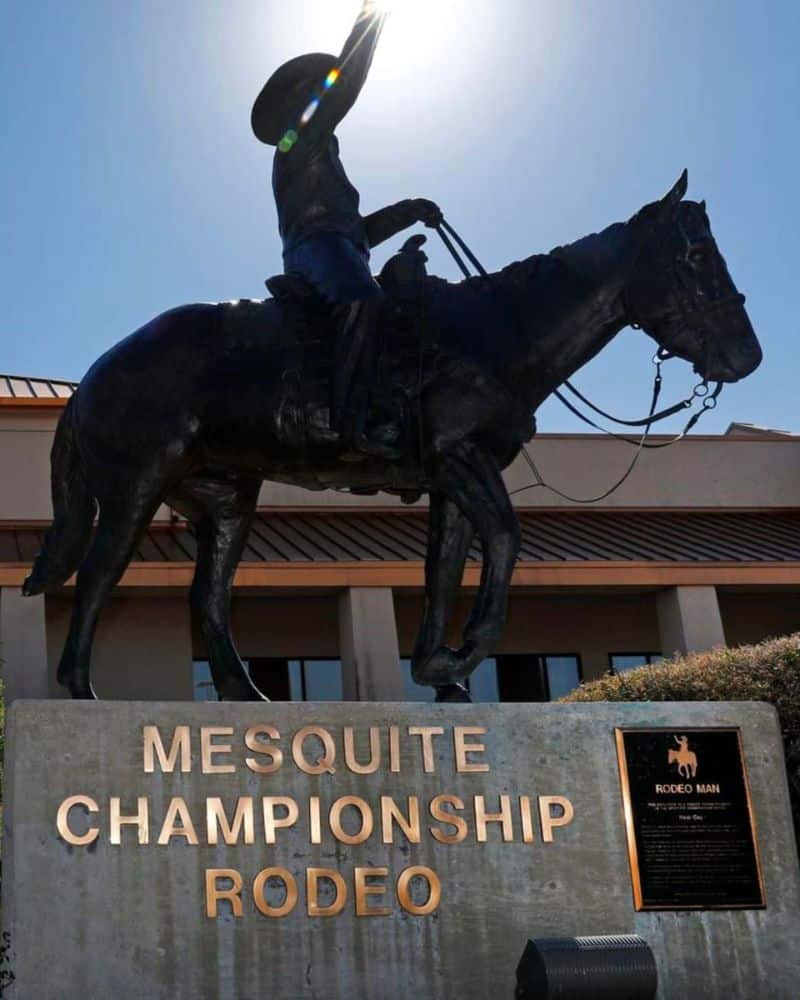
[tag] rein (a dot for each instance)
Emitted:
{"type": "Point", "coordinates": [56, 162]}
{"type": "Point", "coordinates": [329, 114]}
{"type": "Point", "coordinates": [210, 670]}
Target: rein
{"type": "Point", "coordinates": [701, 393]}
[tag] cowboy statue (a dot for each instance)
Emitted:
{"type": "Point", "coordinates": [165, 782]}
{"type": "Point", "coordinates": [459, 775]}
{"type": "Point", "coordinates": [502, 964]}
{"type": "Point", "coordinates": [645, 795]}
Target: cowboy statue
{"type": "Point", "coordinates": [326, 241]}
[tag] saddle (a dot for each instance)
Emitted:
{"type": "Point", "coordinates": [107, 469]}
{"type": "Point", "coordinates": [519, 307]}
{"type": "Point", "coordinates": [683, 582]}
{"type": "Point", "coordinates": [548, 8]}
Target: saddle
{"type": "Point", "coordinates": [407, 351]}
{"type": "Point", "coordinates": [402, 279]}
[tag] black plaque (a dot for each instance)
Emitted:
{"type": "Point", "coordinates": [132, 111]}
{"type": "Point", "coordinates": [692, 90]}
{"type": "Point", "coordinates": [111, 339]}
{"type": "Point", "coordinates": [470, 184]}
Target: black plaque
{"type": "Point", "coordinates": [689, 819]}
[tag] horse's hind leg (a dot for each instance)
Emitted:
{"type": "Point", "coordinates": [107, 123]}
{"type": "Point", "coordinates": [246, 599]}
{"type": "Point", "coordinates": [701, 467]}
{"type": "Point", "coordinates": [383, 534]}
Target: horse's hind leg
{"type": "Point", "coordinates": [222, 513]}
{"type": "Point", "coordinates": [123, 520]}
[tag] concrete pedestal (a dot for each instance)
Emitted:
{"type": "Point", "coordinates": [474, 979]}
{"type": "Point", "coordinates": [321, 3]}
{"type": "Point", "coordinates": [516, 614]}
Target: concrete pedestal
{"type": "Point", "coordinates": [167, 851]}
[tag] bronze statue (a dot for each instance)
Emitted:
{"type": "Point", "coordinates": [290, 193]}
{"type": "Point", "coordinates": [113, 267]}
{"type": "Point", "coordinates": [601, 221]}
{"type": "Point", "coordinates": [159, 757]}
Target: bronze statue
{"type": "Point", "coordinates": [205, 402]}
{"type": "Point", "coordinates": [325, 239]}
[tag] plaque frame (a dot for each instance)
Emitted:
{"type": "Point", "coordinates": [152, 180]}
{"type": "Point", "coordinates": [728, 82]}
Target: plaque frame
{"type": "Point", "coordinates": [630, 830]}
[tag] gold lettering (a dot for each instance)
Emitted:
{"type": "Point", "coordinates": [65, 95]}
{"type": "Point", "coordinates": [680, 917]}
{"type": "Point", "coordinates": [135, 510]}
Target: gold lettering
{"type": "Point", "coordinates": [178, 810]}
{"type": "Point", "coordinates": [482, 818]}
{"type": "Point", "coordinates": [335, 820]}
{"type": "Point", "coordinates": [462, 748]}
{"type": "Point", "coordinates": [209, 749]}
{"type": "Point", "coordinates": [363, 890]}
{"type": "Point", "coordinates": [252, 742]}
{"type": "Point", "coordinates": [140, 820]}
{"type": "Point", "coordinates": [394, 749]}
{"type": "Point", "coordinates": [214, 893]}
{"type": "Point", "coordinates": [323, 764]}
{"type": "Point", "coordinates": [426, 733]}
{"type": "Point", "coordinates": [404, 891]}
{"type": "Point", "coordinates": [550, 822]}
{"type": "Point", "coordinates": [527, 819]}
{"type": "Point", "coordinates": [154, 747]}
{"type": "Point", "coordinates": [62, 821]}
{"type": "Point", "coordinates": [271, 823]}
{"type": "Point", "coordinates": [216, 820]}
{"type": "Point", "coordinates": [289, 885]}
{"type": "Point", "coordinates": [390, 814]}
{"type": "Point", "coordinates": [441, 815]}
{"type": "Point", "coordinates": [313, 875]}
{"type": "Point", "coordinates": [314, 820]}
{"type": "Point", "coordinates": [374, 751]}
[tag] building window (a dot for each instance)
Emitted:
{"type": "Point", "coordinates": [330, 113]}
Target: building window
{"type": "Point", "coordinates": [622, 662]}
{"type": "Point", "coordinates": [537, 676]}
{"type": "Point", "coordinates": [202, 685]}
{"type": "Point", "coordinates": [482, 684]}
{"type": "Point", "coordinates": [529, 677]}
{"type": "Point", "coordinates": [280, 679]}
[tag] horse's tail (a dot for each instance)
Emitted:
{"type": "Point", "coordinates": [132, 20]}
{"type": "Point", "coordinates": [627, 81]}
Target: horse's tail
{"type": "Point", "coordinates": [67, 540]}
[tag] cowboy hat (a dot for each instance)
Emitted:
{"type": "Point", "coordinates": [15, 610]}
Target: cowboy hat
{"type": "Point", "coordinates": [268, 117]}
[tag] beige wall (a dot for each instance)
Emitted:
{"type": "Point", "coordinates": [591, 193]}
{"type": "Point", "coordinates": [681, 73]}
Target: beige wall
{"type": "Point", "coordinates": [590, 626]}
{"type": "Point", "coordinates": [698, 472]}
{"type": "Point", "coordinates": [143, 648]}
{"type": "Point", "coordinates": [25, 443]}
{"type": "Point", "coordinates": [143, 641]}
{"type": "Point", "coordinates": [751, 617]}
{"type": "Point", "coordinates": [304, 626]}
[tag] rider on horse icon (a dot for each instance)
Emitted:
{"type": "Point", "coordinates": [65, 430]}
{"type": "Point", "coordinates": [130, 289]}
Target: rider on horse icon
{"type": "Point", "coordinates": [326, 241]}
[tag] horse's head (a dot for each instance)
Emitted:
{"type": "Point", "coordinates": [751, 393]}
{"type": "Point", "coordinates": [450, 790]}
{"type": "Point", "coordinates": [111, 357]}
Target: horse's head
{"type": "Point", "coordinates": [681, 294]}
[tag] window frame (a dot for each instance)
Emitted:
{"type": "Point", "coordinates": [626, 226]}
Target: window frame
{"type": "Point", "coordinates": [647, 654]}
{"type": "Point", "coordinates": [301, 660]}
{"type": "Point", "coordinates": [572, 656]}
{"type": "Point", "coordinates": [541, 665]}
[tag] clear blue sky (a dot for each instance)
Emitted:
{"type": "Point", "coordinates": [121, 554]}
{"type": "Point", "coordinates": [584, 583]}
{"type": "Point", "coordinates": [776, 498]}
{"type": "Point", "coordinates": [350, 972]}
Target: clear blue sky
{"type": "Point", "coordinates": [131, 181]}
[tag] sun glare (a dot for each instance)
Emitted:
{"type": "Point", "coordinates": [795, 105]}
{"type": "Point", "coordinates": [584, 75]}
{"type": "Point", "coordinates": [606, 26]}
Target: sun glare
{"type": "Point", "coordinates": [416, 26]}
{"type": "Point", "coordinates": [416, 31]}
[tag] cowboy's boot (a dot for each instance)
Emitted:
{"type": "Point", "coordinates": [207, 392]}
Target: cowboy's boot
{"type": "Point", "coordinates": [354, 373]}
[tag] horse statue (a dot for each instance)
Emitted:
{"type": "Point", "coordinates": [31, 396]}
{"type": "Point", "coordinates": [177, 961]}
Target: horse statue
{"type": "Point", "coordinates": [206, 401]}
{"type": "Point", "coordinates": [685, 758]}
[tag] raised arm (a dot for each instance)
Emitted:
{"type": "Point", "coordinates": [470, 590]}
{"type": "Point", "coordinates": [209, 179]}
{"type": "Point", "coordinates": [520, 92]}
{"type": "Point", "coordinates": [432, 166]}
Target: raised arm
{"type": "Point", "coordinates": [328, 101]}
{"type": "Point", "coordinates": [355, 59]}
{"type": "Point", "coordinates": [388, 222]}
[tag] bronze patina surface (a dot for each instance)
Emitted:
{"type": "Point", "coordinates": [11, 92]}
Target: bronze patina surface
{"type": "Point", "coordinates": [205, 402]}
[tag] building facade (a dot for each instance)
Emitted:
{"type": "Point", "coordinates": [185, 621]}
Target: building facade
{"type": "Point", "coordinates": [699, 547]}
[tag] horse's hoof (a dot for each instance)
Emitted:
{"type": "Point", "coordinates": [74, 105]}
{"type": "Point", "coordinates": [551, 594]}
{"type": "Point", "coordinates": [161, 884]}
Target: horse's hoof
{"type": "Point", "coordinates": [445, 666]}
{"type": "Point", "coordinates": [81, 693]}
{"type": "Point", "coordinates": [250, 693]}
{"type": "Point", "coordinates": [453, 694]}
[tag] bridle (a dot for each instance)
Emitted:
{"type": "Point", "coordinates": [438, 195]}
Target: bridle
{"type": "Point", "coordinates": [689, 313]}
{"type": "Point", "coordinates": [685, 293]}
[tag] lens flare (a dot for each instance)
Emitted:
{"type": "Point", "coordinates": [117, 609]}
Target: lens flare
{"type": "Point", "coordinates": [288, 140]}
{"type": "Point", "coordinates": [310, 111]}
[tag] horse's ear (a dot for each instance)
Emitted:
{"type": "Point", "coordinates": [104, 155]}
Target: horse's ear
{"type": "Point", "coordinates": [676, 194]}
{"type": "Point", "coordinates": [659, 212]}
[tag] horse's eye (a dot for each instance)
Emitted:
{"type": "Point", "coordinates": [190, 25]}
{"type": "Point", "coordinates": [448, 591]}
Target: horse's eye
{"type": "Point", "coordinates": [698, 257]}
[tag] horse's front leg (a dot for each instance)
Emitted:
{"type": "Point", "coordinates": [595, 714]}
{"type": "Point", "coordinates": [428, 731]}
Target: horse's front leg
{"type": "Point", "coordinates": [449, 536]}
{"type": "Point", "coordinates": [471, 479]}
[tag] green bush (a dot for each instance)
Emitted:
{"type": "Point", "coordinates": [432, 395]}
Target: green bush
{"type": "Point", "coordinates": [769, 671]}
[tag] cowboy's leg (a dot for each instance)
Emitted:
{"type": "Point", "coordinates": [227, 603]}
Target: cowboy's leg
{"type": "Point", "coordinates": [339, 270]}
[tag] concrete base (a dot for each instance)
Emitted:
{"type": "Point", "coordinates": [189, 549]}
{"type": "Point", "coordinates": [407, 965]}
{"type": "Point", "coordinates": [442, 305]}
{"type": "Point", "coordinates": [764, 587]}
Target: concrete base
{"type": "Point", "coordinates": [123, 915]}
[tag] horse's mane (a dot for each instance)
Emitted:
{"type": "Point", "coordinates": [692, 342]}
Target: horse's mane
{"type": "Point", "coordinates": [592, 256]}
{"type": "Point", "coordinates": [465, 310]}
